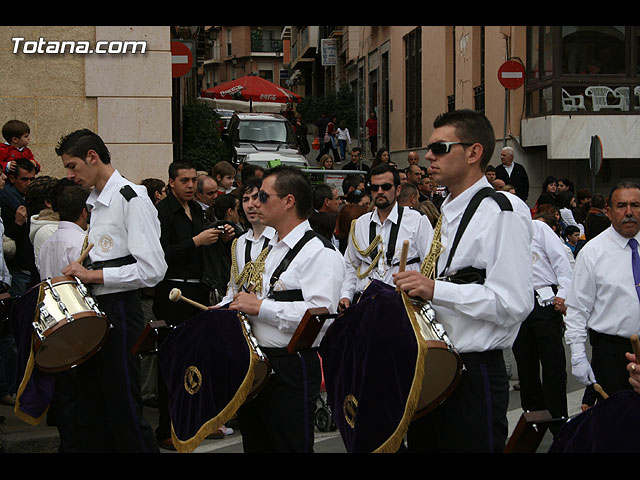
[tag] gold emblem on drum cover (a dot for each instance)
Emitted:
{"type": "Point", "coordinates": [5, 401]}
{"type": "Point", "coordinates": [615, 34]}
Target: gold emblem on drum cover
{"type": "Point", "coordinates": [349, 408]}
{"type": "Point", "coordinates": [192, 380]}
{"type": "Point", "coordinates": [106, 242]}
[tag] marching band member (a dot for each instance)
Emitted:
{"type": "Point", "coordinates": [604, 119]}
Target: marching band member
{"type": "Point", "coordinates": [375, 241]}
{"type": "Point", "coordinates": [481, 318]}
{"type": "Point", "coordinates": [127, 256]}
{"type": "Point", "coordinates": [302, 271]}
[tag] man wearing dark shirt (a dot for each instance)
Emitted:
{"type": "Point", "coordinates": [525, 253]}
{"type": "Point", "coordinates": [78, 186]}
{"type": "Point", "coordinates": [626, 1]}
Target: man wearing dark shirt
{"type": "Point", "coordinates": [513, 173]}
{"type": "Point", "coordinates": [183, 232]}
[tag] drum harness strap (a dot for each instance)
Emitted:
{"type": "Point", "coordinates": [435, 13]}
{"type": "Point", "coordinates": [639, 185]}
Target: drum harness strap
{"type": "Point", "coordinates": [292, 295]}
{"type": "Point", "coordinates": [469, 274]}
{"type": "Point", "coordinates": [374, 241]}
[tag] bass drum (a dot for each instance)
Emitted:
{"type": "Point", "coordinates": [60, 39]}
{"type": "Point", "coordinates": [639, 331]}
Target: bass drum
{"type": "Point", "coordinates": [69, 326]}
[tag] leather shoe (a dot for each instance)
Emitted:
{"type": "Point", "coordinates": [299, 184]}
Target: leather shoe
{"type": "Point", "coordinates": [9, 400]}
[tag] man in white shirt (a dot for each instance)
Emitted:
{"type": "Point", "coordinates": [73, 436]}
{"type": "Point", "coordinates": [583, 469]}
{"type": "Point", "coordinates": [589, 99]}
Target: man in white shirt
{"type": "Point", "coordinates": [539, 342]}
{"type": "Point", "coordinates": [249, 246]}
{"type": "Point", "coordinates": [603, 300]}
{"type": "Point", "coordinates": [374, 249]}
{"type": "Point", "coordinates": [281, 417]}
{"type": "Point", "coordinates": [481, 318]}
{"type": "Point", "coordinates": [127, 255]}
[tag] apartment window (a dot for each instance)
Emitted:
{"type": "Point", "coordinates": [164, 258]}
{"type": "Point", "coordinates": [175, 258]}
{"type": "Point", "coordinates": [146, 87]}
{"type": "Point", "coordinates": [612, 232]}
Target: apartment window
{"type": "Point", "coordinates": [413, 88]}
{"type": "Point", "coordinates": [229, 53]}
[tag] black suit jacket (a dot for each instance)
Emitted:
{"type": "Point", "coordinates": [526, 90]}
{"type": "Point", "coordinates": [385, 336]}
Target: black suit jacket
{"type": "Point", "coordinates": [519, 179]}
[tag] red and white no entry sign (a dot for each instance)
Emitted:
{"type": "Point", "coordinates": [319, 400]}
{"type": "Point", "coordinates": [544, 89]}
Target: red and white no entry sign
{"type": "Point", "coordinates": [511, 74]}
{"type": "Point", "coordinates": [181, 59]}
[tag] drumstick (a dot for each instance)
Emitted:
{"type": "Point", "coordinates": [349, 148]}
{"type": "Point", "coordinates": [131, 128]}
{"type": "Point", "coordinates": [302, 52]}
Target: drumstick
{"type": "Point", "coordinates": [635, 344]}
{"type": "Point", "coordinates": [403, 258]}
{"type": "Point", "coordinates": [175, 295]}
{"type": "Point", "coordinates": [84, 253]}
{"type": "Point", "coordinates": [599, 389]}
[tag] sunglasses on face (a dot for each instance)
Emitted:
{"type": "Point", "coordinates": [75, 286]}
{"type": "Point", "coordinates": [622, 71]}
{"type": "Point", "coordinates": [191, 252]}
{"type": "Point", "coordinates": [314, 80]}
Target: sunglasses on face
{"type": "Point", "coordinates": [264, 196]}
{"type": "Point", "coordinates": [385, 187]}
{"type": "Point", "coordinates": [440, 148]}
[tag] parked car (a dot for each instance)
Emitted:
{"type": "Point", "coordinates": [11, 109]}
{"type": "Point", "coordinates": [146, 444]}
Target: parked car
{"type": "Point", "coordinates": [258, 138]}
{"type": "Point", "coordinates": [225, 116]}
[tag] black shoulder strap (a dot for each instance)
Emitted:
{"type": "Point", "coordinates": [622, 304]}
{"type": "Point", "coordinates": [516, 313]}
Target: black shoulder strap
{"type": "Point", "coordinates": [480, 195]}
{"type": "Point", "coordinates": [286, 261]}
{"type": "Point", "coordinates": [128, 193]}
{"type": "Point", "coordinates": [393, 237]}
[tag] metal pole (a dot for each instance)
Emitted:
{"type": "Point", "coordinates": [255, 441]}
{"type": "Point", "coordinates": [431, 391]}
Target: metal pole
{"type": "Point", "coordinates": [506, 104]}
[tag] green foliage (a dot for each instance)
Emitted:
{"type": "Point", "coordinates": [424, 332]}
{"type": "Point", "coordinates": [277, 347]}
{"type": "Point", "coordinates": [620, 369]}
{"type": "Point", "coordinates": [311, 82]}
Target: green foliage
{"type": "Point", "coordinates": [201, 142]}
{"type": "Point", "coordinates": [342, 104]}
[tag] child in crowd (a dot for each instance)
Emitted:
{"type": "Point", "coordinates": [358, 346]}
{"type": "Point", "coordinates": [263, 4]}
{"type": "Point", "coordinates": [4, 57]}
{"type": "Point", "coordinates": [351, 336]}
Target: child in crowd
{"type": "Point", "coordinates": [16, 133]}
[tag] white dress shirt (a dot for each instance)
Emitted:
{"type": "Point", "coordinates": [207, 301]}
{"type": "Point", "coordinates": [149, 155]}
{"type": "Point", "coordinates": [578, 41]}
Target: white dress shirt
{"type": "Point", "coordinates": [317, 270]}
{"type": "Point", "coordinates": [60, 249]}
{"type": "Point", "coordinates": [120, 228]}
{"type": "Point", "coordinates": [486, 317]}
{"type": "Point", "coordinates": [550, 263]}
{"type": "Point", "coordinates": [257, 245]}
{"type": "Point", "coordinates": [603, 295]}
{"type": "Point", "coordinates": [413, 227]}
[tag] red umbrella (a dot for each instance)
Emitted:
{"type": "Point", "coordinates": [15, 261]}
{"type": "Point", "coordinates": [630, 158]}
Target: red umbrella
{"type": "Point", "coordinates": [251, 88]}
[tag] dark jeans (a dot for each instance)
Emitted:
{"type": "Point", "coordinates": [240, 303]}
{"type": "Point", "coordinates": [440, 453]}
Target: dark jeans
{"type": "Point", "coordinates": [539, 343]}
{"type": "Point", "coordinates": [474, 417]}
{"type": "Point", "coordinates": [109, 414]}
{"type": "Point", "coordinates": [281, 418]}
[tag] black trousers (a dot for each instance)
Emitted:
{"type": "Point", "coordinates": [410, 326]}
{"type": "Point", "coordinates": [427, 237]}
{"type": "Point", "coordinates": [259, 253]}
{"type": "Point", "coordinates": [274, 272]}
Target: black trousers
{"type": "Point", "coordinates": [539, 344]}
{"type": "Point", "coordinates": [281, 418]}
{"type": "Point", "coordinates": [173, 313]}
{"type": "Point", "coordinates": [473, 419]}
{"type": "Point", "coordinates": [609, 365]}
{"type": "Point", "coordinates": [109, 413]}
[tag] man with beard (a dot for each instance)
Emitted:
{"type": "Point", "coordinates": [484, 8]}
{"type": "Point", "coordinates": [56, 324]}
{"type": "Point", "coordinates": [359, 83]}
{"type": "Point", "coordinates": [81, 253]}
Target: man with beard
{"type": "Point", "coordinates": [375, 246]}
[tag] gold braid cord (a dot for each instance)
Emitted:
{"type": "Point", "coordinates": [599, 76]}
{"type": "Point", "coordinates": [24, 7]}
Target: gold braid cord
{"type": "Point", "coordinates": [428, 267]}
{"type": "Point", "coordinates": [251, 274]}
{"type": "Point", "coordinates": [366, 252]}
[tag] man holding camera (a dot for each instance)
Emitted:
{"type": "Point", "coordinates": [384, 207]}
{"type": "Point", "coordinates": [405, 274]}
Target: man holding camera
{"type": "Point", "coordinates": [184, 232]}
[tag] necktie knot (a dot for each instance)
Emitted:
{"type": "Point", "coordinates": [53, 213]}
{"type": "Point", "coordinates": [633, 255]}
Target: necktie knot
{"type": "Point", "coordinates": [633, 243]}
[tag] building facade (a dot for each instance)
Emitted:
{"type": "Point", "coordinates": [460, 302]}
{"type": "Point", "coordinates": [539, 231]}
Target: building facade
{"type": "Point", "coordinates": [51, 81]}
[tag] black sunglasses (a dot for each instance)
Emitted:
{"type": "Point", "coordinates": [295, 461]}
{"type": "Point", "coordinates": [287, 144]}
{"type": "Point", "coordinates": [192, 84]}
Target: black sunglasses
{"type": "Point", "coordinates": [385, 186]}
{"type": "Point", "coordinates": [264, 196]}
{"type": "Point", "coordinates": [440, 148]}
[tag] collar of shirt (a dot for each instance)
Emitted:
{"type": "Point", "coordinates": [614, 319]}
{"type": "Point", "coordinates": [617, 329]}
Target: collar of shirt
{"type": "Point", "coordinates": [65, 225]}
{"type": "Point", "coordinates": [453, 208]}
{"type": "Point", "coordinates": [268, 232]}
{"type": "Point", "coordinates": [292, 237]}
{"type": "Point", "coordinates": [392, 217]}
{"type": "Point", "coordinates": [620, 240]}
{"type": "Point", "coordinates": [106, 194]}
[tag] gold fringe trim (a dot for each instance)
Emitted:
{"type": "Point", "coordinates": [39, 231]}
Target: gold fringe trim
{"type": "Point", "coordinates": [190, 444]}
{"type": "Point", "coordinates": [392, 444]}
{"type": "Point", "coordinates": [365, 252]}
{"type": "Point", "coordinates": [252, 272]}
{"type": "Point", "coordinates": [31, 420]}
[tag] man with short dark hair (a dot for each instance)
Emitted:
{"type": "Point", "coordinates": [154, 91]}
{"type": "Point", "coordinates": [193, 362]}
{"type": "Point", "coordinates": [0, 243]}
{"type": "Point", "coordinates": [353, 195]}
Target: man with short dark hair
{"type": "Point", "coordinates": [325, 198]}
{"type": "Point", "coordinates": [127, 256]}
{"type": "Point", "coordinates": [481, 316]}
{"type": "Point", "coordinates": [301, 271]}
{"type": "Point", "coordinates": [383, 231]}
{"type": "Point", "coordinates": [603, 302]}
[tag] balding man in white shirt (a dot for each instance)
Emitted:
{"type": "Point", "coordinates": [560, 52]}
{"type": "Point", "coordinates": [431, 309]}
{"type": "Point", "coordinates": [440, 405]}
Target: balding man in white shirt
{"type": "Point", "coordinates": [603, 302]}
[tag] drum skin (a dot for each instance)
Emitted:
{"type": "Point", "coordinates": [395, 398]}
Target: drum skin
{"type": "Point", "coordinates": [67, 342]}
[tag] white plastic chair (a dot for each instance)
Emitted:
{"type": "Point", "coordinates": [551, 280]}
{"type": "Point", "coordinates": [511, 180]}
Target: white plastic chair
{"type": "Point", "coordinates": [572, 103]}
{"type": "Point", "coordinates": [599, 98]}
{"type": "Point", "coordinates": [636, 92]}
{"type": "Point", "coordinates": [623, 94]}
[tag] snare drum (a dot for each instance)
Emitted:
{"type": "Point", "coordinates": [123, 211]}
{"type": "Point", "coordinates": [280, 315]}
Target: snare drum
{"type": "Point", "coordinates": [262, 368]}
{"type": "Point", "coordinates": [69, 326]}
{"type": "Point", "coordinates": [442, 363]}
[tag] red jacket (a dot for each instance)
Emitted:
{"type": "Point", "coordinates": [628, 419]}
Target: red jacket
{"type": "Point", "coordinates": [9, 153]}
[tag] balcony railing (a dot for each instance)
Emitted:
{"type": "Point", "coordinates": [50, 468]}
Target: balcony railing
{"type": "Point", "coordinates": [266, 46]}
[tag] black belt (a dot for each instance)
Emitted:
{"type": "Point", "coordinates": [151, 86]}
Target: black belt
{"type": "Point", "coordinates": [272, 352]}
{"type": "Point", "coordinates": [286, 296]}
{"type": "Point", "coordinates": [490, 356]}
{"type": "Point", "coordinates": [115, 262]}
{"type": "Point", "coordinates": [596, 337]}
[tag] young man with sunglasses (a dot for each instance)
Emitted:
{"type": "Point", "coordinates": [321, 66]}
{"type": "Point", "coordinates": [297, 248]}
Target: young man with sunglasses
{"type": "Point", "coordinates": [388, 226]}
{"type": "Point", "coordinates": [484, 317]}
{"type": "Point", "coordinates": [302, 271]}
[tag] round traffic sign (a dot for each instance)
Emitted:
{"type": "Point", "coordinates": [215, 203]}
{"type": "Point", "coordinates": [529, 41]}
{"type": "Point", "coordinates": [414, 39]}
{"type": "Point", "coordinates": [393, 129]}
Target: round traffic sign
{"type": "Point", "coordinates": [595, 154]}
{"type": "Point", "coordinates": [181, 59]}
{"type": "Point", "coordinates": [511, 74]}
